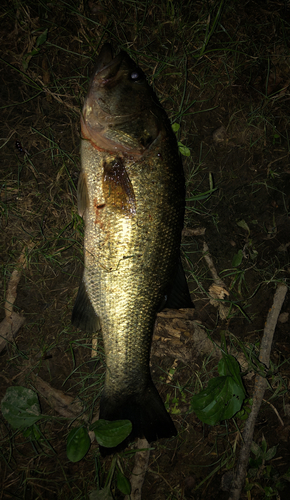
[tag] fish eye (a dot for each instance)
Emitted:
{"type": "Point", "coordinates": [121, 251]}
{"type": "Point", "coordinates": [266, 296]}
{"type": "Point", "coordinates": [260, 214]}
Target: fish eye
{"type": "Point", "coordinates": [136, 76]}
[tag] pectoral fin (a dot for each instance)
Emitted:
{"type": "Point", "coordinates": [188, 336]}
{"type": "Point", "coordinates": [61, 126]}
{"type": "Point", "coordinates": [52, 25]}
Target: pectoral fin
{"type": "Point", "coordinates": [117, 188]}
{"type": "Point", "coordinates": [83, 196]}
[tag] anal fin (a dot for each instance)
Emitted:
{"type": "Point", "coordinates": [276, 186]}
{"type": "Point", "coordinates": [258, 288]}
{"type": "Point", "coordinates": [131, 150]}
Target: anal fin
{"type": "Point", "coordinates": [84, 315]}
{"type": "Point", "coordinates": [178, 295]}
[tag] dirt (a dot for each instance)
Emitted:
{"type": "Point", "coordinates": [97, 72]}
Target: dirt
{"type": "Point", "coordinates": [238, 139]}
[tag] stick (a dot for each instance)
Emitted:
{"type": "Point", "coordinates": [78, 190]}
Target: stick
{"type": "Point", "coordinates": [260, 387]}
{"type": "Point", "coordinates": [207, 257]}
{"type": "Point", "coordinates": [139, 470]}
{"type": "Point", "coordinates": [12, 321]}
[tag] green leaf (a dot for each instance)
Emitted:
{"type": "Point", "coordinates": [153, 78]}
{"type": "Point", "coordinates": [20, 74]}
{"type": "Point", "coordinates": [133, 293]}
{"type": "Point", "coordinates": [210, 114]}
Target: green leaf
{"type": "Point", "coordinates": [123, 484]}
{"type": "Point", "coordinates": [110, 434]}
{"type": "Point", "coordinates": [255, 448]}
{"type": "Point", "coordinates": [243, 225]}
{"type": "Point", "coordinates": [237, 259]}
{"type": "Point", "coordinates": [104, 494]}
{"type": "Point", "coordinates": [42, 38]}
{"type": "Point", "coordinates": [223, 396]}
{"type": "Point", "coordinates": [32, 432]}
{"type": "Point", "coordinates": [264, 446]}
{"type": "Point", "coordinates": [183, 149]}
{"type": "Point", "coordinates": [248, 486]}
{"type": "Point", "coordinates": [78, 444]}
{"type": "Point", "coordinates": [271, 453]}
{"type": "Point", "coordinates": [269, 492]}
{"type": "Point", "coordinates": [201, 196]}
{"type": "Point", "coordinates": [20, 407]}
{"type": "Point", "coordinates": [175, 127]}
{"type": "Point", "coordinates": [228, 365]}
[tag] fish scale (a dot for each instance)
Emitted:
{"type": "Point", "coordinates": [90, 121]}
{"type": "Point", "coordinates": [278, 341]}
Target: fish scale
{"type": "Point", "coordinates": [131, 194]}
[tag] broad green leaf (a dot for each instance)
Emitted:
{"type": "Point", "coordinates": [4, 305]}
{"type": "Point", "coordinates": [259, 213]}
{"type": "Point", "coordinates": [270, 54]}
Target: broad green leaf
{"type": "Point", "coordinates": [183, 149]}
{"type": "Point", "coordinates": [110, 434]}
{"type": "Point", "coordinates": [78, 444]}
{"type": "Point", "coordinates": [237, 258]}
{"type": "Point", "coordinates": [228, 365]}
{"type": "Point", "coordinates": [123, 484]}
{"type": "Point", "coordinates": [104, 494]}
{"type": "Point", "coordinates": [20, 407]}
{"type": "Point", "coordinates": [222, 398]}
{"type": "Point", "coordinates": [42, 38]}
{"type": "Point", "coordinates": [175, 127]}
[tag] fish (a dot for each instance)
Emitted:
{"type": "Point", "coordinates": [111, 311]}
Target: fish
{"type": "Point", "coordinates": [131, 195]}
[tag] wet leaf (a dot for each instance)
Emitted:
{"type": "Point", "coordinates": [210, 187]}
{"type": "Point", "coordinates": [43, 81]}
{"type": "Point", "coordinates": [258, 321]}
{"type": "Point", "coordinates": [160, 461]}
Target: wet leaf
{"type": "Point", "coordinates": [123, 484]}
{"type": "Point", "coordinates": [110, 434]}
{"type": "Point", "coordinates": [20, 407]}
{"type": "Point", "coordinates": [42, 38]}
{"type": "Point", "coordinates": [223, 396]}
{"type": "Point", "coordinates": [78, 444]}
{"type": "Point", "coordinates": [237, 259]}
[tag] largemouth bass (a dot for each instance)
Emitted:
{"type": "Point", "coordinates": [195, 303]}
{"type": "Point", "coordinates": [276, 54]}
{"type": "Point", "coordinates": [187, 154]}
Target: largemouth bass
{"type": "Point", "coordinates": [131, 194]}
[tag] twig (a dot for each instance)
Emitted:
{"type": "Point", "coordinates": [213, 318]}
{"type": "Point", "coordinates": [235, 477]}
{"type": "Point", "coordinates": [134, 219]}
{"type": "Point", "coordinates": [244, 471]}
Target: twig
{"type": "Point", "coordinates": [12, 321]}
{"type": "Point", "coordinates": [13, 283]}
{"type": "Point", "coordinates": [9, 327]}
{"type": "Point", "coordinates": [260, 387]}
{"type": "Point", "coordinates": [275, 410]}
{"type": "Point", "coordinates": [62, 403]}
{"type": "Point", "coordinates": [207, 257]}
{"type": "Point", "coordinates": [139, 470]}
{"type": "Point", "coordinates": [217, 291]}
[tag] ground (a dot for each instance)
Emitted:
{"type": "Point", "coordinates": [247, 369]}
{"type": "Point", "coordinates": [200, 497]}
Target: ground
{"type": "Point", "coordinates": [221, 70]}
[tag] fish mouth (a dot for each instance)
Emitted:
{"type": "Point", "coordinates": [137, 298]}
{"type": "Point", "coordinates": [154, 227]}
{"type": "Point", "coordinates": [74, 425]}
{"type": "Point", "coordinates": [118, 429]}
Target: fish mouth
{"type": "Point", "coordinates": [107, 67]}
{"type": "Point", "coordinates": [106, 113]}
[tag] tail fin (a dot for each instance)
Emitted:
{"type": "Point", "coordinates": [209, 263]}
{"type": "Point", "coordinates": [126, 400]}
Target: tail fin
{"type": "Point", "coordinates": [145, 410]}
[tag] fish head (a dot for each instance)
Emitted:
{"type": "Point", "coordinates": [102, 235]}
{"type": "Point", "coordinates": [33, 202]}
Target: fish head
{"type": "Point", "coordinates": [118, 114]}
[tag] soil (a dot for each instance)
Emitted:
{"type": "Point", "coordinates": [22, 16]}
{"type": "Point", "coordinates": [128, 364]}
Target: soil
{"type": "Point", "coordinates": [238, 140]}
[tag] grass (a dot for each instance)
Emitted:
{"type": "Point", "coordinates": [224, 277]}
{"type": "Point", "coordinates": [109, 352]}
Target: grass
{"type": "Point", "coordinates": [211, 64]}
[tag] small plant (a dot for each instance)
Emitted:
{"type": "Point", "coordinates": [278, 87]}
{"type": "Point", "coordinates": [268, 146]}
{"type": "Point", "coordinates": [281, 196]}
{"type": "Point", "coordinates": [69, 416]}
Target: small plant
{"type": "Point", "coordinates": [172, 404]}
{"type": "Point", "coordinates": [224, 395]}
{"type": "Point", "coordinates": [185, 151]}
{"type": "Point", "coordinates": [20, 407]}
{"type": "Point", "coordinates": [262, 474]}
{"type": "Point", "coordinates": [41, 39]}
